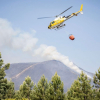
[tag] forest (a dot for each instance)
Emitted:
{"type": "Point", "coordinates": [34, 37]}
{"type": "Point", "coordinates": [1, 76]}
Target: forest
{"type": "Point", "coordinates": [81, 89]}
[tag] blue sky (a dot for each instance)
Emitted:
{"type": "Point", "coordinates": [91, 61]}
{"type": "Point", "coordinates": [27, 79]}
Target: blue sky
{"type": "Point", "coordinates": [22, 15]}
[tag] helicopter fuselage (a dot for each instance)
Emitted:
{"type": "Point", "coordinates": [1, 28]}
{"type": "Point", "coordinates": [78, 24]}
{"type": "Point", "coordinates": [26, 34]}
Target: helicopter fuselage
{"type": "Point", "coordinates": [58, 22]}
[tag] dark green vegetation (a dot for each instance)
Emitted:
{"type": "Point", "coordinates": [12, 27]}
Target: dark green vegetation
{"type": "Point", "coordinates": [81, 89]}
{"type": "Point", "coordinates": [6, 87]}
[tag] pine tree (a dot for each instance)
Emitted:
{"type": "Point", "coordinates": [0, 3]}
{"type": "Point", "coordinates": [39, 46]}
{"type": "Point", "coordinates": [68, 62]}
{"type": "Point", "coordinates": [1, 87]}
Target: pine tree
{"type": "Point", "coordinates": [56, 91]}
{"type": "Point", "coordinates": [39, 91]}
{"type": "Point", "coordinates": [10, 89]}
{"type": "Point", "coordinates": [18, 95]}
{"type": "Point", "coordinates": [96, 81]}
{"type": "Point", "coordinates": [26, 88]}
{"type": "Point", "coordinates": [75, 92]}
{"type": "Point", "coordinates": [3, 81]}
{"type": "Point", "coordinates": [81, 89]}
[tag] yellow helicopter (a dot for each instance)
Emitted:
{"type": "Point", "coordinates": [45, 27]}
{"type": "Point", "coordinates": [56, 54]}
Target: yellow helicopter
{"type": "Point", "coordinates": [58, 21]}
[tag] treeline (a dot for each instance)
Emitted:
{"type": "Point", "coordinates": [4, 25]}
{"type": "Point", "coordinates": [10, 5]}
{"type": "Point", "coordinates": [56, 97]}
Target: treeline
{"type": "Point", "coordinates": [81, 89]}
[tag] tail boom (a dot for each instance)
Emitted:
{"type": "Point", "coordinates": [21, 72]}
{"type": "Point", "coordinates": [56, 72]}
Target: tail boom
{"type": "Point", "coordinates": [80, 11]}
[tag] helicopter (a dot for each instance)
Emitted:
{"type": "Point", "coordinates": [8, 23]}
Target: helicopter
{"type": "Point", "coordinates": [59, 20]}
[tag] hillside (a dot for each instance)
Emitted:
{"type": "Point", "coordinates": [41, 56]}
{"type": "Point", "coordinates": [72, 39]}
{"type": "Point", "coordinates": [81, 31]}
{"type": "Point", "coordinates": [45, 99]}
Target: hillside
{"type": "Point", "coordinates": [18, 71]}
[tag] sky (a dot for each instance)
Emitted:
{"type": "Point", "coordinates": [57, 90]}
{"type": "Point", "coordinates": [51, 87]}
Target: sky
{"type": "Point", "coordinates": [24, 38]}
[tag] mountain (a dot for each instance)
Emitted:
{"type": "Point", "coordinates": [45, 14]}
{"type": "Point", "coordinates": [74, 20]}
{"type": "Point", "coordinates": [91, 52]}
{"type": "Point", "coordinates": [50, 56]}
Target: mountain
{"type": "Point", "coordinates": [18, 71]}
{"type": "Point", "coordinates": [89, 74]}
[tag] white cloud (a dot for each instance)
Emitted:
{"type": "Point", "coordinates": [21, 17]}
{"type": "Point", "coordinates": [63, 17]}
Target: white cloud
{"type": "Point", "coordinates": [24, 41]}
{"type": "Point", "coordinates": [15, 39]}
{"type": "Point", "coordinates": [6, 32]}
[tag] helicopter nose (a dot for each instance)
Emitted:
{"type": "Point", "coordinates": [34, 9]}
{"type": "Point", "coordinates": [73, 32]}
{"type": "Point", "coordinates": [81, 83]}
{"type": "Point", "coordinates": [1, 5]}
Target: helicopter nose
{"type": "Point", "coordinates": [48, 27]}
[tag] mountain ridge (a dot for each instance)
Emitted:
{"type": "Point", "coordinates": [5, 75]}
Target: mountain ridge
{"type": "Point", "coordinates": [18, 71]}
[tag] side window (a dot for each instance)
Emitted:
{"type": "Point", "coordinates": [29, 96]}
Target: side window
{"type": "Point", "coordinates": [52, 22]}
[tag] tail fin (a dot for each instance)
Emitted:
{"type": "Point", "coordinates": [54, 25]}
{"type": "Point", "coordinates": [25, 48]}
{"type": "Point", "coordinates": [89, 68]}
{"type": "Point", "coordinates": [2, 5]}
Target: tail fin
{"type": "Point", "coordinates": [81, 9]}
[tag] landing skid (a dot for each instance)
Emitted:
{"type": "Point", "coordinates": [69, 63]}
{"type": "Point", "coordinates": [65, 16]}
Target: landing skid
{"type": "Point", "coordinates": [60, 27]}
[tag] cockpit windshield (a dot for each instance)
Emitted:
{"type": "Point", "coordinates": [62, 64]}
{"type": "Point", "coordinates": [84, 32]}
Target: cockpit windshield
{"type": "Point", "coordinates": [52, 22]}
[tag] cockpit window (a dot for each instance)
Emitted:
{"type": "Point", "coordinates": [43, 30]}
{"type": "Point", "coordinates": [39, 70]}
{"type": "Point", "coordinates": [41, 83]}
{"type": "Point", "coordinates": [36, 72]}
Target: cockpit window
{"type": "Point", "coordinates": [52, 22]}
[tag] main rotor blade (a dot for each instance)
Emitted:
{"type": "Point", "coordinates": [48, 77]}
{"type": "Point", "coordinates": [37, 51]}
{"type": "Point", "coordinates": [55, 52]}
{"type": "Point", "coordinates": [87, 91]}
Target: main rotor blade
{"type": "Point", "coordinates": [44, 17]}
{"type": "Point", "coordinates": [57, 15]}
{"type": "Point", "coordinates": [64, 11]}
